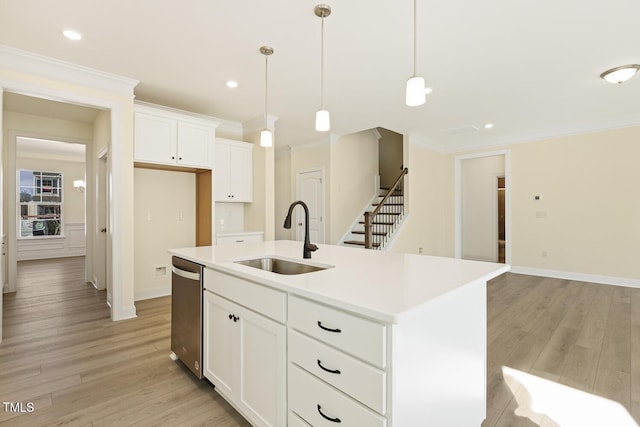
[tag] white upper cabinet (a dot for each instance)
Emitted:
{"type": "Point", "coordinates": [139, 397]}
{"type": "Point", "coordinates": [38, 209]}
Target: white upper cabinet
{"type": "Point", "coordinates": [233, 171]}
{"type": "Point", "coordinates": [166, 137]}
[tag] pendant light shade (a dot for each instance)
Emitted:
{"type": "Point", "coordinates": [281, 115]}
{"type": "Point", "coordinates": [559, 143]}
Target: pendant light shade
{"type": "Point", "coordinates": [266, 136]}
{"type": "Point", "coordinates": [323, 121]}
{"type": "Point", "coordinates": [416, 91]}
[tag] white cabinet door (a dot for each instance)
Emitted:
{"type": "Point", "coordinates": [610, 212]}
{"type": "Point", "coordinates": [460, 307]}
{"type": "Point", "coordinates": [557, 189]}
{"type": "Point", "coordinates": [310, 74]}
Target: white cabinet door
{"type": "Point", "coordinates": [245, 358]}
{"type": "Point", "coordinates": [195, 145]}
{"type": "Point", "coordinates": [221, 174]}
{"type": "Point", "coordinates": [233, 172]}
{"type": "Point", "coordinates": [220, 344]}
{"type": "Point", "coordinates": [262, 369]}
{"type": "Point", "coordinates": [155, 139]}
{"type": "Point", "coordinates": [241, 173]}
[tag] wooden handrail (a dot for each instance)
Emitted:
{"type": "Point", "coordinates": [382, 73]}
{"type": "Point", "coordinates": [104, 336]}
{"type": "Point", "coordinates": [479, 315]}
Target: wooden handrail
{"type": "Point", "coordinates": [368, 216]}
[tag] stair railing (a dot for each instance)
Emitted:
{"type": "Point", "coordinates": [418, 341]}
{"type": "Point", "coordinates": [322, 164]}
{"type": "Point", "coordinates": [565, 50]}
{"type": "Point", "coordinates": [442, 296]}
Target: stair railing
{"type": "Point", "coordinates": [374, 231]}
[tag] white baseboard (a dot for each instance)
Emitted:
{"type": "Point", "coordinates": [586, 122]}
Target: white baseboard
{"type": "Point", "coordinates": [582, 277]}
{"type": "Point", "coordinates": [152, 293]}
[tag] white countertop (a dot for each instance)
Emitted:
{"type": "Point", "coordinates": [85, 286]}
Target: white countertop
{"type": "Point", "coordinates": [385, 286]}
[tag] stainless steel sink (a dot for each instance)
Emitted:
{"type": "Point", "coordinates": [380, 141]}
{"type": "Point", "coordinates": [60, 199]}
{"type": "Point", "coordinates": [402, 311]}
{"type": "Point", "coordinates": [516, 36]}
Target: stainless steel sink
{"type": "Point", "coordinates": [281, 266]}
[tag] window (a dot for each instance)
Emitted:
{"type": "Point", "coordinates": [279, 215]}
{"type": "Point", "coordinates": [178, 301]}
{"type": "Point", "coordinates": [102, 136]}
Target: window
{"type": "Point", "coordinates": [40, 203]}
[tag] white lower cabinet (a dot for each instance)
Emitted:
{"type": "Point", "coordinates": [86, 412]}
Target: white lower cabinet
{"type": "Point", "coordinates": [321, 405]}
{"type": "Point", "coordinates": [245, 358]}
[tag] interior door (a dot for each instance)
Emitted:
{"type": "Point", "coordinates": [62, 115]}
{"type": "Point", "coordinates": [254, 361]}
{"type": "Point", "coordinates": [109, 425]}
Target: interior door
{"type": "Point", "coordinates": [310, 189]}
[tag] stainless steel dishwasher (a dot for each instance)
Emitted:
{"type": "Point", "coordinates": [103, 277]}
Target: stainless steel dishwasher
{"type": "Point", "coordinates": [186, 314]}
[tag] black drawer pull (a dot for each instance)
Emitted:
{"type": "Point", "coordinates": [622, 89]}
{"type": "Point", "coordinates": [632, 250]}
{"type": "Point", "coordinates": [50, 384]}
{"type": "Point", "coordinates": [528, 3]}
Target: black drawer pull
{"type": "Point", "coordinates": [328, 329]}
{"type": "Point", "coordinates": [332, 371]}
{"type": "Point", "coordinates": [335, 420]}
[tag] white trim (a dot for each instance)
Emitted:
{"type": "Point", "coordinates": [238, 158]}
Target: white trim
{"type": "Point", "coordinates": [175, 114]}
{"type": "Point", "coordinates": [324, 197]}
{"type": "Point", "coordinates": [581, 277]}
{"type": "Point", "coordinates": [540, 135]}
{"type": "Point", "coordinates": [308, 145]}
{"type": "Point", "coordinates": [51, 70]}
{"type": "Point", "coordinates": [161, 291]}
{"type": "Point", "coordinates": [360, 215]}
{"type": "Point", "coordinates": [257, 124]}
{"type": "Point", "coordinates": [458, 199]}
{"type": "Point", "coordinates": [27, 62]}
{"type": "Point", "coordinates": [424, 142]}
{"type": "Point", "coordinates": [396, 232]}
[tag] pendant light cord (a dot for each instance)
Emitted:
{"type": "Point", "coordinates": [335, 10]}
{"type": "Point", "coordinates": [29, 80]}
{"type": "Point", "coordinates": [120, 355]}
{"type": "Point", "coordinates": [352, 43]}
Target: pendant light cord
{"type": "Point", "coordinates": [415, 55]}
{"type": "Point", "coordinates": [266, 90]}
{"type": "Point", "coordinates": [322, 62]}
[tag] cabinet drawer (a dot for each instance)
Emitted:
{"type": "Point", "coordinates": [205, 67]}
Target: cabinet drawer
{"type": "Point", "coordinates": [359, 337]}
{"type": "Point", "coordinates": [230, 240]}
{"type": "Point", "coordinates": [295, 421]}
{"type": "Point", "coordinates": [264, 300]}
{"type": "Point", "coordinates": [315, 402]}
{"type": "Point", "coordinates": [357, 379]}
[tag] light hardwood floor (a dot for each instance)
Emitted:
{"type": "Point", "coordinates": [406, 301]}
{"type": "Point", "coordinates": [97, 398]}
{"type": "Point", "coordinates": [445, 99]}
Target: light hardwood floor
{"type": "Point", "coordinates": [61, 351]}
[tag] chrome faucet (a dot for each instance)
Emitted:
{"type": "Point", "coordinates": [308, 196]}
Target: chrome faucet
{"type": "Point", "coordinates": [308, 247]}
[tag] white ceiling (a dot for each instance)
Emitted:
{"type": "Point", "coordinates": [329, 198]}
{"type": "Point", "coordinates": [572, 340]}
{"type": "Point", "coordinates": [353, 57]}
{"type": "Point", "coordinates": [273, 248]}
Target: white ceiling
{"type": "Point", "coordinates": [531, 68]}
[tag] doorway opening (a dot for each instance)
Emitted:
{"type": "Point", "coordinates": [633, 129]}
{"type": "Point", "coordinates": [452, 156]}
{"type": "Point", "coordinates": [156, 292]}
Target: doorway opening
{"type": "Point", "coordinates": [482, 207]}
{"type": "Point", "coordinates": [502, 236]}
{"type": "Point", "coordinates": [310, 188]}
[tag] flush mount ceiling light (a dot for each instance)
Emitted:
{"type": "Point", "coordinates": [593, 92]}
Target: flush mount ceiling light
{"type": "Point", "coordinates": [416, 91]}
{"type": "Point", "coordinates": [621, 74]}
{"type": "Point", "coordinates": [232, 84]}
{"type": "Point", "coordinates": [72, 34]}
{"type": "Point", "coordinates": [323, 121]}
{"type": "Point", "coordinates": [266, 136]}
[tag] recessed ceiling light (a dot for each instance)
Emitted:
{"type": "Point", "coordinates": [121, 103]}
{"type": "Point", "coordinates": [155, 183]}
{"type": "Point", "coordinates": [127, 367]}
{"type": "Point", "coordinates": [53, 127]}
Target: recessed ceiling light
{"type": "Point", "coordinates": [72, 34]}
{"type": "Point", "coordinates": [488, 126]}
{"type": "Point", "coordinates": [232, 84]}
{"type": "Point", "coordinates": [620, 74]}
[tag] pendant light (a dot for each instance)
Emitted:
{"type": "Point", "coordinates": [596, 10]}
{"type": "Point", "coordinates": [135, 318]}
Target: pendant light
{"type": "Point", "coordinates": [266, 136]}
{"type": "Point", "coordinates": [323, 121]}
{"type": "Point", "coordinates": [416, 92]}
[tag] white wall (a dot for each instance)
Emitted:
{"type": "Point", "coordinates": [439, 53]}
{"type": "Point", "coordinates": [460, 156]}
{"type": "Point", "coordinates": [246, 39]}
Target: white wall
{"type": "Point", "coordinates": [313, 156]}
{"type": "Point", "coordinates": [164, 218]}
{"type": "Point", "coordinates": [260, 215]}
{"type": "Point", "coordinates": [429, 202]}
{"type": "Point", "coordinates": [480, 207]}
{"type": "Point", "coordinates": [354, 168]}
{"type": "Point", "coordinates": [283, 192]}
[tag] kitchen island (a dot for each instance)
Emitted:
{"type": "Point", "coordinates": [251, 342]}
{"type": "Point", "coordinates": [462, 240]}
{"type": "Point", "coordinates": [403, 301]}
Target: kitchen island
{"type": "Point", "coordinates": [372, 338]}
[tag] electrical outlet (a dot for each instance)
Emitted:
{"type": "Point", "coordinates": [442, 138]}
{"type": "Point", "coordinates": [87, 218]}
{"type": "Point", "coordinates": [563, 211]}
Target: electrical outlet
{"type": "Point", "coordinates": [161, 271]}
{"type": "Point", "coordinates": [420, 250]}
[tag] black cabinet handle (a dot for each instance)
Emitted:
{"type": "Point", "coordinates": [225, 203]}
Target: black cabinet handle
{"type": "Point", "coordinates": [332, 371]}
{"type": "Point", "coordinates": [335, 420]}
{"type": "Point", "coordinates": [337, 331]}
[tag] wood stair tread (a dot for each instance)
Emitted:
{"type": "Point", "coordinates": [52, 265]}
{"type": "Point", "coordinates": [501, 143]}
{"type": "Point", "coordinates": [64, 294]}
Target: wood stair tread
{"type": "Point", "coordinates": [375, 233]}
{"type": "Point", "coordinates": [388, 204]}
{"type": "Point", "coordinates": [378, 222]}
{"type": "Point", "coordinates": [358, 243]}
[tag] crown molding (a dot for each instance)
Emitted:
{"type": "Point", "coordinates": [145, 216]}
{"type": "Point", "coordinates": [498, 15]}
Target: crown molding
{"type": "Point", "coordinates": [27, 62]}
{"type": "Point", "coordinates": [257, 124]}
{"type": "Point", "coordinates": [422, 141]}
{"type": "Point", "coordinates": [312, 144]}
{"type": "Point", "coordinates": [542, 134]}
